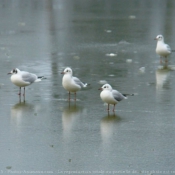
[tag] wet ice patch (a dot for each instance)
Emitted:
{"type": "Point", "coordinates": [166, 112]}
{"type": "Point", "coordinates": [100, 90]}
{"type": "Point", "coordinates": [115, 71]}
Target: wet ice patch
{"type": "Point", "coordinates": [168, 67]}
{"type": "Point", "coordinates": [105, 104]}
{"type": "Point", "coordinates": [171, 67]}
{"type": "Point", "coordinates": [124, 51]}
{"type": "Point", "coordinates": [8, 167]}
{"type": "Point", "coordinates": [108, 31]}
{"type": "Point", "coordinates": [2, 48]}
{"type": "Point", "coordinates": [63, 99]}
{"type": "Point", "coordinates": [123, 42]}
{"type": "Point", "coordinates": [76, 57]}
{"type": "Point", "coordinates": [1, 84]}
{"type": "Point", "coordinates": [111, 63]}
{"type": "Point", "coordinates": [21, 23]}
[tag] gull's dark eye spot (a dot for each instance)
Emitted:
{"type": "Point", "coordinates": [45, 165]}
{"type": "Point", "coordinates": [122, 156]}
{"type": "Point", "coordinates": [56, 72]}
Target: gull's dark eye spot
{"type": "Point", "coordinates": [105, 87]}
{"type": "Point", "coordinates": [14, 71]}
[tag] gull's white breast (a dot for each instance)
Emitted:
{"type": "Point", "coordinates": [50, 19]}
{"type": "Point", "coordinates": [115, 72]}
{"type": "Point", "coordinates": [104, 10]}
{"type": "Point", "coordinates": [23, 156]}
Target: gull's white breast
{"type": "Point", "coordinates": [162, 49]}
{"type": "Point", "coordinates": [69, 84]}
{"type": "Point", "coordinates": [107, 97]}
{"type": "Point", "coordinates": [17, 80]}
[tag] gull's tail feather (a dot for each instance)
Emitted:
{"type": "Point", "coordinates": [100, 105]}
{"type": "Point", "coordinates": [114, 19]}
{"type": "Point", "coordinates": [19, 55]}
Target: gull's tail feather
{"type": "Point", "coordinates": [85, 84]}
{"type": "Point", "coordinates": [40, 78]}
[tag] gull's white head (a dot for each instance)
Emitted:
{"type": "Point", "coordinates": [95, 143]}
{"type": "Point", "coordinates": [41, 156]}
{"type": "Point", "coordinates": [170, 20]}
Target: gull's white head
{"type": "Point", "coordinates": [14, 71]}
{"type": "Point", "coordinates": [106, 87]}
{"type": "Point", "coordinates": [159, 38]}
{"type": "Point", "coordinates": [68, 70]}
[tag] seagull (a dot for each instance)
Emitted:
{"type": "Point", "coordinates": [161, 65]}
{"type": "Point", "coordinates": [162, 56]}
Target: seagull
{"type": "Point", "coordinates": [23, 79]}
{"type": "Point", "coordinates": [111, 96]}
{"type": "Point", "coordinates": [70, 83]}
{"type": "Point", "coordinates": [162, 48]}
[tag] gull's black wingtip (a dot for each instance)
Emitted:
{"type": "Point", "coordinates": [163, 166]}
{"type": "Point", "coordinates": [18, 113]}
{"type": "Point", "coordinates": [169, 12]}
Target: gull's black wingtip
{"type": "Point", "coordinates": [42, 77]}
{"type": "Point", "coordinates": [128, 95]}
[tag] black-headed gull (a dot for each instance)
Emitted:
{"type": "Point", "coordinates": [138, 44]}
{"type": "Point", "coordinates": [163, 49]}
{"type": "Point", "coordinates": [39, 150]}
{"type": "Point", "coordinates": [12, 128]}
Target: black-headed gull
{"type": "Point", "coordinates": [23, 79]}
{"type": "Point", "coordinates": [111, 96]}
{"type": "Point", "coordinates": [70, 83]}
{"type": "Point", "coordinates": [162, 48]}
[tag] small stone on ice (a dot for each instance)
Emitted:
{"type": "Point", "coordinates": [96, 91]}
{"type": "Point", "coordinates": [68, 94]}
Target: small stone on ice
{"type": "Point", "coordinates": [132, 17]}
{"type": "Point", "coordinates": [111, 54]}
{"type": "Point", "coordinates": [102, 82]}
{"type": "Point", "coordinates": [108, 31]}
{"type": "Point", "coordinates": [142, 69]}
{"type": "Point", "coordinates": [21, 23]}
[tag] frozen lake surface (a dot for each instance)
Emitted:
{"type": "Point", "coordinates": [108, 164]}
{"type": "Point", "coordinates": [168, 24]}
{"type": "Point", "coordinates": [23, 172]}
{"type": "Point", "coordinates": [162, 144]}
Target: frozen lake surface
{"type": "Point", "coordinates": [102, 41]}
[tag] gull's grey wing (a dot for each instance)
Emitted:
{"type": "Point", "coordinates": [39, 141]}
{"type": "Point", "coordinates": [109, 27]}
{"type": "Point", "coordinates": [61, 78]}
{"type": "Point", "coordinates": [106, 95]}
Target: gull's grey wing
{"type": "Point", "coordinates": [168, 47]}
{"type": "Point", "coordinates": [117, 95]}
{"type": "Point", "coordinates": [77, 81]}
{"type": "Point", "coordinates": [28, 77]}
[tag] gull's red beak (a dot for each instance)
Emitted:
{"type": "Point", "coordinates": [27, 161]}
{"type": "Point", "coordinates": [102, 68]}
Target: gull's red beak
{"type": "Point", "coordinates": [100, 89]}
{"type": "Point", "coordinates": [62, 72]}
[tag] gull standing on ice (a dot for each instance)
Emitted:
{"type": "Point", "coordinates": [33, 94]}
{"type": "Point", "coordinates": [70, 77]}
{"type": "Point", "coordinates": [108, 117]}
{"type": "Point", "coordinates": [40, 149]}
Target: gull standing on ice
{"type": "Point", "coordinates": [111, 96]}
{"type": "Point", "coordinates": [22, 79]}
{"type": "Point", "coordinates": [70, 83]}
{"type": "Point", "coordinates": [162, 48]}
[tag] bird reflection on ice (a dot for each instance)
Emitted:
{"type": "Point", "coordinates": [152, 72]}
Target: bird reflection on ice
{"type": "Point", "coordinates": [163, 82]}
{"type": "Point", "coordinates": [162, 77]}
{"type": "Point", "coordinates": [21, 109]}
{"type": "Point", "coordinates": [107, 126]}
{"type": "Point", "coordinates": [70, 115]}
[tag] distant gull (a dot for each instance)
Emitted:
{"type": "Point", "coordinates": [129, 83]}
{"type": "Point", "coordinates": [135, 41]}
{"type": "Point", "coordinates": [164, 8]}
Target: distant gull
{"type": "Point", "coordinates": [70, 83]}
{"type": "Point", "coordinates": [22, 79]}
{"type": "Point", "coordinates": [111, 96]}
{"type": "Point", "coordinates": [162, 48]}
